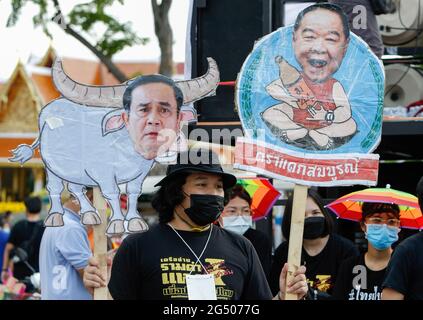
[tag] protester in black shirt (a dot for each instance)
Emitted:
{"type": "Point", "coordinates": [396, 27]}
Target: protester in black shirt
{"type": "Point", "coordinates": [323, 251]}
{"type": "Point", "coordinates": [157, 264]}
{"type": "Point", "coordinates": [25, 234]}
{"type": "Point", "coordinates": [237, 217]}
{"type": "Point", "coordinates": [361, 278]}
{"type": "Point", "coordinates": [404, 276]}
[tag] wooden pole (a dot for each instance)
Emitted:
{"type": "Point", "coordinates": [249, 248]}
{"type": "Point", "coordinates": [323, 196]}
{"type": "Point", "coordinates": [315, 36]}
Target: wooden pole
{"type": "Point", "coordinates": [296, 234]}
{"type": "Point", "coordinates": [100, 242]}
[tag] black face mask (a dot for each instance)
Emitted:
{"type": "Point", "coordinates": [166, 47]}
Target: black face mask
{"type": "Point", "coordinates": [205, 208]}
{"type": "Point", "coordinates": [314, 227]}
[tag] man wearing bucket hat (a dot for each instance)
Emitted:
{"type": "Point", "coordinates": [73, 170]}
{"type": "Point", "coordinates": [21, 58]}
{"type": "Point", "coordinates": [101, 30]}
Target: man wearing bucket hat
{"type": "Point", "coordinates": [404, 276]}
{"type": "Point", "coordinates": [187, 255]}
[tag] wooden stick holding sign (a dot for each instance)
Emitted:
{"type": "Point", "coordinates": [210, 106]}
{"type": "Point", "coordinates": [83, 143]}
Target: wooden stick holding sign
{"type": "Point", "coordinates": [307, 127]}
{"type": "Point", "coordinates": [296, 235]}
{"type": "Point", "coordinates": [100, 242]}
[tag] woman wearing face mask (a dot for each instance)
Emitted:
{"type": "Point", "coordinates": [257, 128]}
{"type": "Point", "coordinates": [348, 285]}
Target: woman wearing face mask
{"type": "Point", "coordinates": [237, 217]}
{"type": "Point", "coordinates": [360, 278]}
{"type": "Point", "coordinates": [323, 250]}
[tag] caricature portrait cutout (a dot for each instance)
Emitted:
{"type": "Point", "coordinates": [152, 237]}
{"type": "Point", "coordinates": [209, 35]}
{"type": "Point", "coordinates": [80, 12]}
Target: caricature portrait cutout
{"type": "Point", "coordinates": [108, 136]}
{"type": "Point", "coordinates": [310, 99]}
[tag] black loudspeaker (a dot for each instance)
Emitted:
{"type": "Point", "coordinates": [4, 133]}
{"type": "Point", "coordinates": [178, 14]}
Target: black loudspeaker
{"type": "Point", "coordinates": [226, 31]}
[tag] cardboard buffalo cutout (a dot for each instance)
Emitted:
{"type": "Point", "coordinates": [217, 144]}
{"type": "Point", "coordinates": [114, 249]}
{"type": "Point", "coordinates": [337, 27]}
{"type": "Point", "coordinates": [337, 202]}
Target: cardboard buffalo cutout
{"type": "Point", "coordinates": [108, 136]}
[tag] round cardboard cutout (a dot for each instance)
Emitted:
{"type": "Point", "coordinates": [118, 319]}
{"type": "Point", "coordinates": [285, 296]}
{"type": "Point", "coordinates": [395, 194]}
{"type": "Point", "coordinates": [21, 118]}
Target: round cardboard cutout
{"type": "Point", "coordinates": [317, 99]}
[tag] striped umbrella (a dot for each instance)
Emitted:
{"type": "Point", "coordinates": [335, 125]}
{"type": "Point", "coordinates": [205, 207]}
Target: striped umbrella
{"type": "Point", "coordinates": [263, 195]}
{"type": "Point", "coordinates": [349, 206]}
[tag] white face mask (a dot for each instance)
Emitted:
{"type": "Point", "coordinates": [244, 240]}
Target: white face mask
{"type": "Point", "coordinates": [237, 224]}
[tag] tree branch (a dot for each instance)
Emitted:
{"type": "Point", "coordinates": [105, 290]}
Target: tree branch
{"type": "Point", "coordinates": [105, 60]}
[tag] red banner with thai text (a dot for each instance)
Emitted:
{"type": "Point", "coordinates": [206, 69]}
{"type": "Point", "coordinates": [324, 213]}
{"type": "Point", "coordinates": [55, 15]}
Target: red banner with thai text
{"type": "Point", "coordinates": [307, 169]}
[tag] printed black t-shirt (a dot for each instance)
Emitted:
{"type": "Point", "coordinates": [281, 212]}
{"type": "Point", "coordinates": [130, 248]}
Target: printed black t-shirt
{"type": "Point", "coordinates": [321, 269]}
{"type": "Point", "coordinates": [153, 265]}
{"type": "Point", "coordinates": [355, 281]}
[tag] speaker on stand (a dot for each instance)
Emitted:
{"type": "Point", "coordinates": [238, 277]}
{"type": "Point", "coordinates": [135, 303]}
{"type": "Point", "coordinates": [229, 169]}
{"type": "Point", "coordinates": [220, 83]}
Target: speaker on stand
{"type": "Point", "coordinates": [404, 85]}
{"type": "Point", "coordinates": [403, 30]}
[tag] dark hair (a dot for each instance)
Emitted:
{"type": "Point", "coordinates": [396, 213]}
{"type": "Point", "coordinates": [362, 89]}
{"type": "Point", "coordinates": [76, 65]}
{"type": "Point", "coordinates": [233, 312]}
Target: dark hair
{"type": "Point", "coordinates": [327, 6]}
{"type": "Point", "coordinates": [419, 192]}
{"type": "Point", "coordinates": [33, 205]}
{"type": "Point", "coordinates": [371, 208]}
{"type": "Point", "coordinates": [168, 197]}
{"type": "Point", "coordinates": [154, 78]}
{"type": "Point", "coordinates": [4, 217]}
{"type": "Point", "coordinates": [237, 191]}
{"type": "Point", "coordinates": [286, 220]}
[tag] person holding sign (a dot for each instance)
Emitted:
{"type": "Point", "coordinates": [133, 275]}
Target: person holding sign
{"type": "Point", "coordinates": [186, 255]}
{"type": "Point", "coordinates": [314, 104]}
{"type": "Point", "coordinates": [64, 254]}
{"type": "Point", "coordinates": [322, 250]}
{"type": "Point", "coordinates": [361, 278]}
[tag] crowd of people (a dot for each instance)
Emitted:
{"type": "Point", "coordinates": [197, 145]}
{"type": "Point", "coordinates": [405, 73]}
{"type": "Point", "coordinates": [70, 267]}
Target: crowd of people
{"type": "Point", "coordinates": [205, 227]}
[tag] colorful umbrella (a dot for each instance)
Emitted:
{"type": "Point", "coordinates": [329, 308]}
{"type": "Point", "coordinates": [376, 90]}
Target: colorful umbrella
{"type": "Point", "coordinates": [263, 196]}
{"type": "Point", "coordinates": [349, 206]}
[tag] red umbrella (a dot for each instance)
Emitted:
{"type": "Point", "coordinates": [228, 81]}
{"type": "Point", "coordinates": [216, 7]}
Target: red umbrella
{"type": "Point", "coordinates": [263, 195]}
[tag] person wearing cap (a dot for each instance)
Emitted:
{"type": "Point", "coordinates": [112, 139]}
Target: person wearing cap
{"type": "Point", "coordinates": [404, 276]}
{"type": "Point", "coordinates": [179, 257]}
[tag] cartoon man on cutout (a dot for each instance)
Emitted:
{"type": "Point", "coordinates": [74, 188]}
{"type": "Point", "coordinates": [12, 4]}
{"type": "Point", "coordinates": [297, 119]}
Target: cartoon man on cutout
{"type": "Point", "coordinates": [313, 105]}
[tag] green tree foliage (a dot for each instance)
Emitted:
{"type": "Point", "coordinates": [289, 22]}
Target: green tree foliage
{"type": "Point", "coordinates": [117, 35]}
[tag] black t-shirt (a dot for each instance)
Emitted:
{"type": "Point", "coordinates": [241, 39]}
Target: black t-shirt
{"type": "Point", "coordinates": [20, 236]}
{"type": "Point", "coordinates": [263, 246]}
{"type": "Point", "coordinates": [153, 265]}
{"type": "Point", "coordinates": [355, 281]}
{"type": "Point", "coordinates": [321, 270]}
{"type": "Point", "coordinates": [405, 269]}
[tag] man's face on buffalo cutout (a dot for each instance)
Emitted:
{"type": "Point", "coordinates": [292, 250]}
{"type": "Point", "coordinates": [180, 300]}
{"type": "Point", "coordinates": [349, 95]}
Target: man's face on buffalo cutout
{"type": "Point", "coordinates": [320, 42]}
{"type": "Point", "coordinates": [152, 119]}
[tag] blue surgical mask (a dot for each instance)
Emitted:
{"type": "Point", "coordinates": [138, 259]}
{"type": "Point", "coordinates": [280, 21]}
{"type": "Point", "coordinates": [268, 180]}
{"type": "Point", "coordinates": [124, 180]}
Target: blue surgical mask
{"type": "Point", "coordinates": [381, 236]}
{"type": "Point", "coordinates": [237, 224]}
